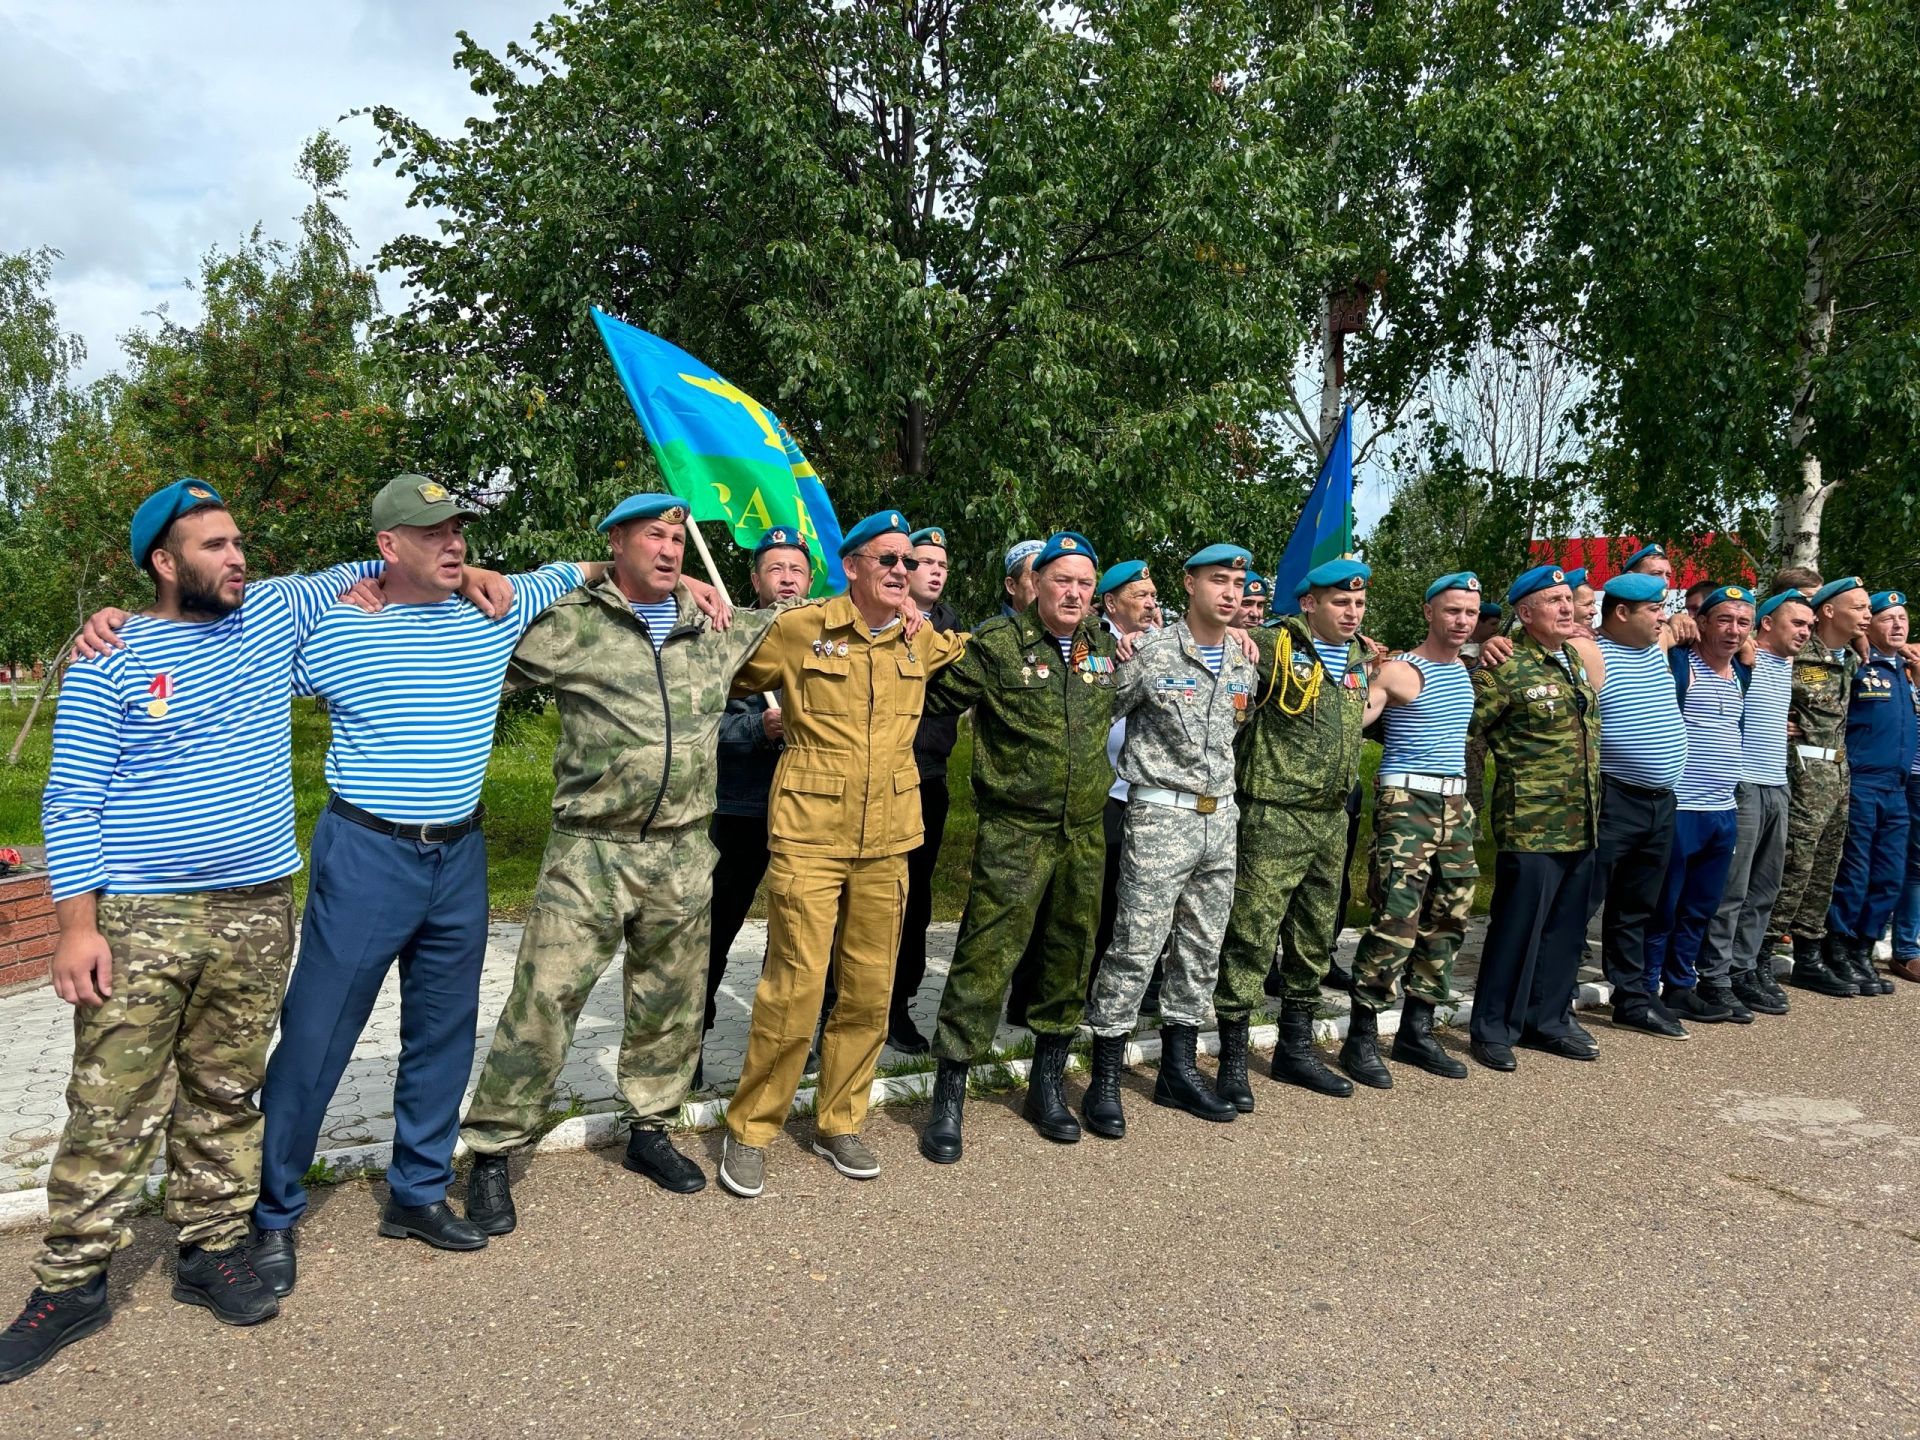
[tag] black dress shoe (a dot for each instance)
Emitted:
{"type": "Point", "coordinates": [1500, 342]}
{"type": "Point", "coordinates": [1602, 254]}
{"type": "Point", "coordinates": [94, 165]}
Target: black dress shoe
{"type": "Point", "coordinates": [1494, 1057]}
{"type": "Point", "coordinates": [52, 1320]}
{"type": "Point", "coordinates": [225, 1282]}
{"type": "Point", "coordinates": [435, 1224]}
{"type": "Point", "coordinates": [1581, 1033]}
{"type": "Point", "coordinates": [1565, 1046]}
{"type": "Point", "coordinates": [272, 1254]}
{"type": "Point", "coordinates": [1720, 995]}
{"type": "Point", "coordinates": [1650, 1020]}
{"type": "Point", "coordinates": [490, 1196]}
{"type": "Point", "coordinates": [905, 1037]}
{"type": "Point", "coordinates": [651, 1153]}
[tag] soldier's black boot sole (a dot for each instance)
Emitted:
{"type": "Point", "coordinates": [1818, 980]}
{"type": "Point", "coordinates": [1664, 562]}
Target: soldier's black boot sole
{"type": "Point", "coordinates": [940, 1142]}
{"type": "Point", "coordinates": [1180, 1085]}
{"type": "Point", "coordinates": [1296, 1062]}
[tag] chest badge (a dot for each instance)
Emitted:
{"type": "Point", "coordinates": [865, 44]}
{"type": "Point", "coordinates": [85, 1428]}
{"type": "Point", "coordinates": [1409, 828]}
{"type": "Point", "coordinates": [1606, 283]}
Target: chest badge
{"type": "Point", "coordinates": [159, 693]}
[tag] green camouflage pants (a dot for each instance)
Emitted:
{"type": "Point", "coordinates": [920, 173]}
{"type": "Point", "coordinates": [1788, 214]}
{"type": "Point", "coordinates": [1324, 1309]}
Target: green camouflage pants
{"type": "Point", "coordinates": [1420, 878]}
{"type": "Point", "coordinates": [1023, 877]}
{"type": "Point", "coordinates": [593, 892]}
{"type": "Point", "coordinates": [178, 1050]}
{"type": "Point", "coordinates": [1286, 893]}
{"type": "Point", "coordinates": [1816, 833]}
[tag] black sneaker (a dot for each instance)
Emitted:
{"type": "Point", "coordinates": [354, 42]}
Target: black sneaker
{"type": "Point", "coordinates": [52, 1320]}
{"type": "Point", "coordinates": [1719, 994]}
{"type": "Point", "coordinates": [651, 1153]}
{"type": "Point", "coordinates": [225, 1282]}
{"type": "Point", "coordinates": [1687, 1003]}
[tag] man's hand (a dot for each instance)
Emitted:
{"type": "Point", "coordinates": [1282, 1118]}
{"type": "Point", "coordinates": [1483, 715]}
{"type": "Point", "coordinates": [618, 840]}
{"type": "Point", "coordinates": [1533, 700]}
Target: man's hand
{"type": "Point", "coordinates": [1794, 732]}
{"type": "Point", "coordinates": [82, 967]}
{"type": "Point", "coordinates": [1682, 628]}
{"type": "Point", "coordinates": [1496, 651]}
{"type": "Point", "coordinates": [1376, 654]}
{"type": "Point", "coordinates": [774, 726]}
{"type": "Point", "coordinates": [712, 603]}
{"type": "Point", "coordinates": [1245, 642]}
{"type": "Point", "coordinates": [367, 594]}
{"type": "Point", "coordinates": [910, 618]}
{"type": "Point", "coordinates": [97, 637]}
{"type": "Point", "coordinates": [488, 591]}
{"type": "Point", "coordinates": [1123, 646]}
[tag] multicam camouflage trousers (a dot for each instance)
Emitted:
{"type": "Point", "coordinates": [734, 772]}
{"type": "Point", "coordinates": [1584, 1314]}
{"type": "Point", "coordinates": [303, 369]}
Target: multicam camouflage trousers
{"type": "Point", "coordinates": [593, 891]}
{"type": "Point", "coordinates": [1420, 879]}
{"type": "Point", "coordinates": [177, 1050]}
{"type": "Point", "coordinates": [1816, 834]}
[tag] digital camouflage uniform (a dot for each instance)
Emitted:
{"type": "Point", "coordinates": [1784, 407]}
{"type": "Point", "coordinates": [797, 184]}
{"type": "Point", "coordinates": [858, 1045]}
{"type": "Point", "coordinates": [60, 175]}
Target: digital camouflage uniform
{"type": "Point", "coordinates": [1295, 772]}
{"type": "Point", "coordinates": [178, 1049]}
{"type": "Point", "coordinates": [1040, 781]}
{"type": "Point", "coordinates": [628, 858]}
{"type": "Point", "coordinates": [1817, 796]}
{"type": "Point", "coordinates": [1176, 864]}
{"type": "Point", "coordinates": [1420, 883]}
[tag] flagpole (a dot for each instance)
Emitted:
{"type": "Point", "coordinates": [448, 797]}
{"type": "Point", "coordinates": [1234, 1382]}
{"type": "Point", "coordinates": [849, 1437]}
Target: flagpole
{"type": "Point", "coordinates": [706, 556]}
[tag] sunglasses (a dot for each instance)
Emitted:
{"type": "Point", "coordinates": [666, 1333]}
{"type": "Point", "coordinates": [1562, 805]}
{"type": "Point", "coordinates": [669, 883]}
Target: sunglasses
{"type": "Point", "coordinates": [887, 562]}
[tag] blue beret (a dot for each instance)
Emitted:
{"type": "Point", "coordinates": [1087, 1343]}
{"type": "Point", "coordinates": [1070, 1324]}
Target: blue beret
{"type": "Point", "coordinates": [1022, 550]}
{"type": "Point", "coordinates": [1836, 587]}
{"type": "Point", "coordinates": [1774, 602]}
{"type": "Point", "coordinates": [931, 535]}
{"type": "Point", "coordinates": [1066, 542]}
{"type": "Point", "coordinates": [1540, 577]}
{"type": "Point", "coordinates": [1125, 573]}
{"type": "Point", "coordinates": [1341, 574]}
{"type": "Point", "coordinates": [1459, 580]}
{"type": "Point", "coordinates": [779, 536]}
{"type": "Point", "coordinates": [1231, 556]}
{"type": "Point", "coordinates": [1491, 611]}
{"type": "Point", "coordinates": [670, 508]}
{"type": "Point", "coordinates": [1636, 589]}
{"type": "Point", "coordinates": [1576, 578]}
{"type": "Point", "coordinates": [885, 522]}
{"type": "Point", "coordinates": [1724, 594]}
{"type": "Point", "coordinates": [1256, 586]}
{"type": "Point", "coordinates": [1645, 552]}
{"type": "Point", "coordinates": [1887, 599]}
{"type": "Point", "coordinates": [162, 508]}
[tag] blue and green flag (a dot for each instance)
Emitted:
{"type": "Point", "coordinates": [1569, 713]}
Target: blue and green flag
{"type": "Point", "coordinates": [721, 449]}
{"type": "Point", "coordinates": [1325, 528]}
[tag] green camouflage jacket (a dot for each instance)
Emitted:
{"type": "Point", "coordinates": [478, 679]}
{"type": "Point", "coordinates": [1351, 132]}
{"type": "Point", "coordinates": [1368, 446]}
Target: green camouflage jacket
{"type": "Point", "coordinates": [1040, 723]}
{"type": "Point", "coordinates": [1822, 680]}
{"type": "Point", "coordinates": [1308, 759]}
{"type": "Point", "coordinates": [638, 731]}
{"type": "Point", "coordinates": [1181, 717]}
{"type": "Point", "coordinates": [1541, 721]}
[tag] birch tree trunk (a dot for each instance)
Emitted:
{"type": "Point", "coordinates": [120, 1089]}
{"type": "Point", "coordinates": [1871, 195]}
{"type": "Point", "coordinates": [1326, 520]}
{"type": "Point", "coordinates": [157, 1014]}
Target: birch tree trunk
{"type": "Point", "coordinates": [1803, 500]}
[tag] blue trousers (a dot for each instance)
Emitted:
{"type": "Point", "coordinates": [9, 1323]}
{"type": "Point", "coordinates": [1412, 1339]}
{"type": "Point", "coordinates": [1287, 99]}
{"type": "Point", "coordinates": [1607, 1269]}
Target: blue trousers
{"type": "Point", "coordinates": [1873, 864]}
{"type": "Point", "coordinates": [373, 899]}
{"type": "Point", "coordinates": [1906, 914]}
{"type": "Point", "coordinates": [1696, 880]}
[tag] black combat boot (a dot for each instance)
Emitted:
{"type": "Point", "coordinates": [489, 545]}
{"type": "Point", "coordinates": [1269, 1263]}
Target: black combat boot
{"type": "Point", "coordinates": [1810, 972]}
{"type": "Point", "coordinates": [940, 1141]}
{"type": "Point", "coordinates": [52, 1320]}
{"type": "Point", "coordinates": [1338, 977]}
{"type": "Point", "coordinates": [1360, 1055]}
{"type": "Point", "coordinates": [1722, 996]}
{"type": "Point", "coordinates": [224, 1282]}
{"type": "Point", "coordinates": [1181, 1086]}
{"type": "Point", "coordinates": [490, 1196]}
{"type": "Point", "coordinates": [1765, 976]}
{"type": "Point", "coordinates": [1231, 1083]}
{"type": "Point", "coordinates": [1297, 1062]}
{"type": "Point", "coordinates": [1101, 1106]}
{"type": "Point", "coordinates": [1755, 996]}
{"type": "Point", "coordinates": [1414, 1043]}
{"type": "Point", "coordinates": [1046, 1107]}
{"type": "Point", "coordinates": [1865, 973]}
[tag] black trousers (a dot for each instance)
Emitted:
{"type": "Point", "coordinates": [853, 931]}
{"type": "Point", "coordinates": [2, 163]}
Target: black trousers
{"type": "Point", "coordinates": [1113, 826]}
{"type": "Point", "coordinates": [1355, 802]}
{"type": "Point", "coordinates": [1531, 961]}
{"type": "Point", "coordinates": [1630, 866]}
{"type": "Point", "coordinates": [910, 966]}
{"type": "Point", "coordinates": [742, 843]}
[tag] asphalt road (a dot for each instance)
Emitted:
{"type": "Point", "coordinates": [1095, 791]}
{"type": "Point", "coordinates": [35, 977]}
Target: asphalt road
{"type": "Point", "coordinates": [1715, 1238]}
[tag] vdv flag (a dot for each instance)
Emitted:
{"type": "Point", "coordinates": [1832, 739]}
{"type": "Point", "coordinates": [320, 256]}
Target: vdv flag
{"type": "Point", "coordinates": [721, 449]}
{"type": "Point", "coordinates": [1325, 528]}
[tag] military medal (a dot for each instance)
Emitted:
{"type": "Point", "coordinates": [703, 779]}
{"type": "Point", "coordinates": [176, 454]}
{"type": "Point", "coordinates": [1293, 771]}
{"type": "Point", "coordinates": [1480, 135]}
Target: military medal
{"type": "Point", "coordinates": [161, 690]}
{"type": "Point", "coordinates": [1041, 671]}
{"type": "Point", "coordinates": [1080, 652]}
{"type": "Point", "coordinates": [1086, 677]}
{"type": "Point", "coordinates": [841, 648]}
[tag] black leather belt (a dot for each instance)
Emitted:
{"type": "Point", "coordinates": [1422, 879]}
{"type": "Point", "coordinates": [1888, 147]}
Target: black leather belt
{"type": "Point", "coordinates": [425, 834]}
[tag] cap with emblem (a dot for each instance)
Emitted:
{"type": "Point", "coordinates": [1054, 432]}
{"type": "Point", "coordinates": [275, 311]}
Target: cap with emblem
{"type": "Point", "coordinates": [1576, 578]}
{"type": "Point", "coordinates": [884, 522]}
{"type": "Point", "coordinates": [1836, 587]}
{"type": "Point", "coordinates": [670, 508]}
{"type": "Point", "coordinates": [931, 535]}
{"type": "Point", "coordinates": [1459, 580]}
{"type": "Point", "coordinates": [415, 500]}
{"type": "Point", "coordinates": [1231, 556]}
{"type": "Point", "coordinates": [1636, 589]}
{"type": "Point", "coordinates": [1774, 602]}
{"type": "Point", "coordinates": [1022, 551]}
{"type": "Point", "coordinates": [1125, 573]}
{"type": "Point", "coordinates": [1887, 600]}
{"type": "Point", "coordinates": [162, 508]}
{"type": "Point", "coordinates": [780, 537]}
{"type": "Point", "coordinates": [1739, 594]}
{"type": "Point", "coordinates": [1540, 577]}
{"type": "Point", "coordinates": [1061, 545]}
{"type": "Point", "coordinates": [1256, 586]}
{"type": "Point", "coordinates": [1345, 573]}
{"type": "Point", "coordinates": [1645, 552]}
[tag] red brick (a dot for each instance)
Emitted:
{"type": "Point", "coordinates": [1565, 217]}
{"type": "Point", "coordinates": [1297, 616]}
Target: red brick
{"type": "Point", "coordinates": [23, 975]}
{"type": "Point", "coordinates": [27, 927]}
{"type": "Point", "coordinates": [37, 948]}
{"type": "Point", "coordinates": [21, 905]}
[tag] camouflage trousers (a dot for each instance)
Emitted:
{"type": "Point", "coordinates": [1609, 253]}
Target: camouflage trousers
{"type": "Point", "coordinates": [1038, 887]}
{"type": "Point", "coordinates": [1286, 896]}
{"type": "Point", "coordinates": [177, 1050]}
{"type": "Point", "coordinates": [1816, 834]}
{"type": "Point", "coordinates": [656, 894]}
{"type": "Point", "coordinates": [1176, 877]}
{"type": "Point", "coordinates": [1420, 880]}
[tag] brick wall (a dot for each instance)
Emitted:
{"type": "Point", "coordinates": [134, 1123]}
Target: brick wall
{"type": "Point", "coordinates": [27, 930]}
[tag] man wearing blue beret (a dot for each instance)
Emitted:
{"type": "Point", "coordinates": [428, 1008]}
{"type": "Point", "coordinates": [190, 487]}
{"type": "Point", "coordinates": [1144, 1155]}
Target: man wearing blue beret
{"type": "Point", "coordinates": [1652, 559]}
{"type": "Point", "coordinates": [1253, 601]}
{"type": "Point", "coordinates": [1129, 605]}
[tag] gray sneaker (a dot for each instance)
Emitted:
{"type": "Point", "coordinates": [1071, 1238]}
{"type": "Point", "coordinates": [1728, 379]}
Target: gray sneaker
{"type": "Point", "coordinates": [849, 1156]}
{"type": "Point", "coordinates": [743, 1168]}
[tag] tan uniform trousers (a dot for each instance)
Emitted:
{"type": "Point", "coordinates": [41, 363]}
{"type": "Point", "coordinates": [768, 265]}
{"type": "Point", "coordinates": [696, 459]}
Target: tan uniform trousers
{"type": "Point", "coordinates": [821, 912]}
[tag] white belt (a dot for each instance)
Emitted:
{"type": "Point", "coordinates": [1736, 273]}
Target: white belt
{"type": "Point", "coordinates": [1426, 784]}
{"type": "Point", "coordinates": [1154, 795]}
{"type": "Point", "coordinates": [1816, 752]}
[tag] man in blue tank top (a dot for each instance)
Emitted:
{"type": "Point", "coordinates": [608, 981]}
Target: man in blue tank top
{"type": "Point", "coordinates": [1421, 877]}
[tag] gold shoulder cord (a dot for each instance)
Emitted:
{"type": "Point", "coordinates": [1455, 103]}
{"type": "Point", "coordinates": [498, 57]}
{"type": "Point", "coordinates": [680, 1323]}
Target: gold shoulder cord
{"type": "Point", "coordinates": [1281, 679]}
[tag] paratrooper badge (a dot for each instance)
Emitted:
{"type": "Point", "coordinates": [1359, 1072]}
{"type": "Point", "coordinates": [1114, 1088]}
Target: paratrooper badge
{"type": "Point", "coordinates": [432, 492]}
{"type": "Point", "coordinates": [162, 691]}
{"type": "Point", "coordinates": [673, 515]}
{"type": "Point", "coordinates": [199, 492]}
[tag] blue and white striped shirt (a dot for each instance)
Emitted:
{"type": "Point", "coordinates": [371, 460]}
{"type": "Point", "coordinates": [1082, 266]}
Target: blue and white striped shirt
{"type": "Point", "coordinates": [1712, 715]}
{"type": "Point", "coordinates": [1428, 736]}
{"type": "Point", "coordinates": [1763, 734]}
{"type": "Point", "coordinates": [1212, 656]}
{"type": "Point", "coordinates": [659, 618]}
{"type": "Point", "coordinates": [1643, 740]}
{"type": "Point", "coordinates": [413, 691]}
{"type": "Point", "coordinates": [1334, 658]}
{"type": "Point", "coordinates": [1065, 642]}
{"type": "Point", "coordinates": [198, 796]}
